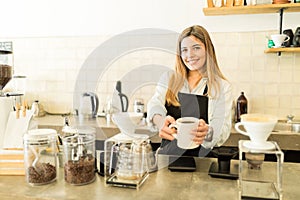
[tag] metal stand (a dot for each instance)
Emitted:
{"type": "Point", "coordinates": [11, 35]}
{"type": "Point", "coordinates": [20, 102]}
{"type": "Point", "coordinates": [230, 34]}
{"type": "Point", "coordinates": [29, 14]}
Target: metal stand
{"type": "Point", "coordinates": [264, 182]}
{"type": "Point", "coordinates": [280, 24]}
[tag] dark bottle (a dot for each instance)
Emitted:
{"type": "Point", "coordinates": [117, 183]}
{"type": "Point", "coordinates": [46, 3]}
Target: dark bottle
{"type": "Point", "coordinates": [241, 106]}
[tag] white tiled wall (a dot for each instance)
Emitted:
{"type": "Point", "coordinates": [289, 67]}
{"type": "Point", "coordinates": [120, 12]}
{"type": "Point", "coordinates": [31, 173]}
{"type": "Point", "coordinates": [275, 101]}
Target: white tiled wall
{"type": "Point", "coordinates": [270, 82]}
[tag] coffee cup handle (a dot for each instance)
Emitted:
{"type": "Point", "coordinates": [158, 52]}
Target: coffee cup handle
{"type": "Point", "coordinates": [173, 126]}
{"type": "Point", "coordinates": [237, 127]}
{"type": "Point", "coordinates": [287, 38]}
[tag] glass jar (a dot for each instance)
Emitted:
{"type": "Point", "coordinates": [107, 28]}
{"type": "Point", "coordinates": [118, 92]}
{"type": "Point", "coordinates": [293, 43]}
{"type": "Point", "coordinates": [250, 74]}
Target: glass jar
{"type": "Point", "coordinates": [79, 157]}
{"type": "Point", "coordinates": [40, 156]}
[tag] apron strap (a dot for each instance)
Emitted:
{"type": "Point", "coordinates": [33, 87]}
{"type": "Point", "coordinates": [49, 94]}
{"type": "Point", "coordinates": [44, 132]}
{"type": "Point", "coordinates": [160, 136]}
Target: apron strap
{"type": "Point", "coordinates": [205, 90]}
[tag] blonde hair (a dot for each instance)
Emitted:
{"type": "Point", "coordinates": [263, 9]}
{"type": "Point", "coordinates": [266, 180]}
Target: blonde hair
{"type": "Point", "coordinates": [210, 69]}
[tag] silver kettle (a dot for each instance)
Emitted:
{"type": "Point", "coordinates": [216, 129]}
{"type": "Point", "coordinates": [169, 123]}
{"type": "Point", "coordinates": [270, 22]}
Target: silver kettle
{"type": "Point", "coordinates": [89, 107]}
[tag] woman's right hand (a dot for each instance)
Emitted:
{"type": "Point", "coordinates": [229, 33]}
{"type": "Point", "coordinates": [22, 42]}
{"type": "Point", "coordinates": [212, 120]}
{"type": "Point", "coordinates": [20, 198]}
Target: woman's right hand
{"type": "Point", "coordinates": [163, 124]}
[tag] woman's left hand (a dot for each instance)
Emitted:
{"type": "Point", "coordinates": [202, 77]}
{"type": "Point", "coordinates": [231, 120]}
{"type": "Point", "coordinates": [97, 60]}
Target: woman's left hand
{"type": "Point", "coordinates": [201, 132]}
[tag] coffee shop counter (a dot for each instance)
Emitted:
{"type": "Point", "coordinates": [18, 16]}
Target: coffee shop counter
{"type": "Point", "coordinates": [287, 140]}
{"type": "Point", "coordinates": [162, 184]}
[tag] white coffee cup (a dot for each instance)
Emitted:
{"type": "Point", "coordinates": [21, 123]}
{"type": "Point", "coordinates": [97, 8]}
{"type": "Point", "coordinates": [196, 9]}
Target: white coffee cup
{"type": "Point", "coordinates": [258, 127]}
{"type": "Point", "coordinates": [184, 127]}
{"type": "Point", "coordinates": [278, 39]}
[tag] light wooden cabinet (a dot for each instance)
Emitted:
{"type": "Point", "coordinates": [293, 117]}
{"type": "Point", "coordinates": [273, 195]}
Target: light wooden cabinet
{"type": "Point", "coordinates": [258, 9]}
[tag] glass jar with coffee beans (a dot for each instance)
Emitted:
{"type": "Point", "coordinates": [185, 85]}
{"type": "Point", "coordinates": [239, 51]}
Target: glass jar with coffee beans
{"type": "Point", "coordinates": [79, 157]}
{"type": "Point", "coordinates": [40, 156]}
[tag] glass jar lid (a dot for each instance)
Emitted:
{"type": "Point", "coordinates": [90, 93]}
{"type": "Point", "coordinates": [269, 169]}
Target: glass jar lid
{"type": "Point", "coordinates": [79, 139]}
{"type": "Point", "coordinates": [40, 136]}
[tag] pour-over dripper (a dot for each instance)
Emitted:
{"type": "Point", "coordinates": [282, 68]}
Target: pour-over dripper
{"type": "Point", "coordinates": [127, 122]}
{"type": "Point", "coordinates": [258, 127]}
{"type": "Point", "coordinates": [5, 76]}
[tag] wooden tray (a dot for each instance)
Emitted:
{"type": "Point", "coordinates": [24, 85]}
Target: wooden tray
{"type": "Point", "coordinates": [12, 162]}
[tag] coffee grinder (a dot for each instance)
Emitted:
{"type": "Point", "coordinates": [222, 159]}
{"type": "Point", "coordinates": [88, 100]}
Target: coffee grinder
{"type": "Point", "coordinates": [6, 63]}
{"type": "Point", "coordinates": [6, 71]}
{"type": "Point", "coordinates": [17, 83]}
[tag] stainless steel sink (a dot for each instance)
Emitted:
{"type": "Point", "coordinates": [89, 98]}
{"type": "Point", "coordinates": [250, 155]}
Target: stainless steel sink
{"type": "Point", "coordinates": [284, 126]}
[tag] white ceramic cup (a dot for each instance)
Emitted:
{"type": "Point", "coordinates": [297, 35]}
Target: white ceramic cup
{"type": "Point", "coordinates": [278, 39]}
{"type": "Point", "coordinates": [184, 127]}
{"type": "Point", "coordinates": [258, 127]}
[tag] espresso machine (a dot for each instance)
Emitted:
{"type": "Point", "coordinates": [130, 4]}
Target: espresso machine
{"type": "Point", "coordinates": [6, 71]}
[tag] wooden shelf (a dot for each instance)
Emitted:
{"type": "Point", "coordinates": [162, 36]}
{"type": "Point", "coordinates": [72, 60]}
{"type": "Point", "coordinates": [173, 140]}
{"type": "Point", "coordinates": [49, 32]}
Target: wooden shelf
{"type": "Point", "coordinates": [286, 49]}
{"type": "Point", "coordinates": [257, 9]}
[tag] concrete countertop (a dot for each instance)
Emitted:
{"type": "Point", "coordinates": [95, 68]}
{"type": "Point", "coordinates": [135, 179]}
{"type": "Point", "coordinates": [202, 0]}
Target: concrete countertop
{"type": "Point", "coordinates": [162, 184]}
{"type": "Point", "coordinates": [287, 140]}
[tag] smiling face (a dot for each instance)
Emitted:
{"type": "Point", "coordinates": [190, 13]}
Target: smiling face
{"type": "Point", "coordinates": [193, 53]}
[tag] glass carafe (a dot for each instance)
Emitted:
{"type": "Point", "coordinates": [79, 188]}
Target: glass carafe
{"type": "Point", "coordinates": [134, 159]}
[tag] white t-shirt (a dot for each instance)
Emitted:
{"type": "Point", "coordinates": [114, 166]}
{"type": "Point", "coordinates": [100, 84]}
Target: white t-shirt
{"type": "Point", "coordinates": [219, 108]}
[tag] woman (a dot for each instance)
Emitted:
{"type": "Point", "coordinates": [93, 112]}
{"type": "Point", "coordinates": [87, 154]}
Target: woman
{"type": "Point", "coordinates": [196, 88]}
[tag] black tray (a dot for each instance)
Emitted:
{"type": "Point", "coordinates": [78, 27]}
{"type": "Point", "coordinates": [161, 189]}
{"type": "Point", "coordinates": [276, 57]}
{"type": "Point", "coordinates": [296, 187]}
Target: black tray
{"type": "Point", "coordinates": [181, 164]}
{"type": "Point", "coordinates": [214, 172]}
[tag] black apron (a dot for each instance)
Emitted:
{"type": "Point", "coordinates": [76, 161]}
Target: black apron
{"type": "Point", "coordinates": [191, 105]}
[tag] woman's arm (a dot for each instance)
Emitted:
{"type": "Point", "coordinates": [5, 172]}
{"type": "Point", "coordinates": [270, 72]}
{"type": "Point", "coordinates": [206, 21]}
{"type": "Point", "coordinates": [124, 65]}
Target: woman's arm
{"type": "Point", "coordinates": [219, 116]}
{"type": "Point", "coordinates": [156, 111]}
{"type": "Point", "coordinates": [156, 105]}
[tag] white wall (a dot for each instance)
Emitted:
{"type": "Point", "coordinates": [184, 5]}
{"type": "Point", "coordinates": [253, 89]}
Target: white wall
{"type": "Point", "coordinates": [99, 17]}
{"type": "Point", "coordinates": [52, 39]}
